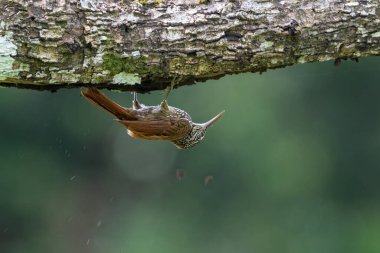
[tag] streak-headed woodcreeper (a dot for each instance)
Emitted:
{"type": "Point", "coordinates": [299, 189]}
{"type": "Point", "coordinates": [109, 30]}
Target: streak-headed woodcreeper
{"type": "Point", "coordinates": [161, 122]}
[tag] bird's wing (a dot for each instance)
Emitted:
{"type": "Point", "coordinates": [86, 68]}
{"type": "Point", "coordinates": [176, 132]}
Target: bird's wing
{"type": "Point", "coordinates": [158, 129]}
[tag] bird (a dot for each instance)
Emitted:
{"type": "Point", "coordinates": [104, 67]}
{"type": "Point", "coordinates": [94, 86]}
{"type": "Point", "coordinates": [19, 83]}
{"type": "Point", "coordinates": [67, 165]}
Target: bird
{"type": "Point", "coordinates": [160, 122]}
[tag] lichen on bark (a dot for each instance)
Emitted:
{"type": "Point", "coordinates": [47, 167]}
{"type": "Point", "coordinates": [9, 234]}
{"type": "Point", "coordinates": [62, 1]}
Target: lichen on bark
{"type": "Point", "coordinates": [103, 43]}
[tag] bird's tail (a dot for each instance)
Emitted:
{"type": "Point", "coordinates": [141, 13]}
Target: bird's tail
{"type": "Point", "coordinates": [99, 99]}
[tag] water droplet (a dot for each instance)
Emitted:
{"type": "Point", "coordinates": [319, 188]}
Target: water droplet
{"type": "Point", "coordinates": [208, 179]}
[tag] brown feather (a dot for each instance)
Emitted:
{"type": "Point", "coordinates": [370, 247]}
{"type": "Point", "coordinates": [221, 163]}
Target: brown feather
{"type": "Point", "coordinates": [158, 129]}
{"type": "Point", "coordinates": [99, 99]}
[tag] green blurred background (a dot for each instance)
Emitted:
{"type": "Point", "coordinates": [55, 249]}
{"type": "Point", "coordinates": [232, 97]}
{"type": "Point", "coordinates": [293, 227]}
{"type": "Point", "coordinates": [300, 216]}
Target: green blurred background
{"type": "Point", "coordinates": [295, 161]}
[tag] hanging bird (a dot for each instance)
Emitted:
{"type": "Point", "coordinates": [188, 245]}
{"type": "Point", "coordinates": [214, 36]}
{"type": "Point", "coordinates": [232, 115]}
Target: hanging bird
{"type": "Point", "coordinates": [161, 122]}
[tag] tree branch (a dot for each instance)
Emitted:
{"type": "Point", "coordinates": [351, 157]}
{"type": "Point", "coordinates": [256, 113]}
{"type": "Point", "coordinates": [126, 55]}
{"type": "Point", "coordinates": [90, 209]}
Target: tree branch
{"type": "Point", "coordinates": [143, 45]}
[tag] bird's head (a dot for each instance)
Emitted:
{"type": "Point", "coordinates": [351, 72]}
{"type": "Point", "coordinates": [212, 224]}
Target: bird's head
{"type": "Point", "coordinates": [197, 133]}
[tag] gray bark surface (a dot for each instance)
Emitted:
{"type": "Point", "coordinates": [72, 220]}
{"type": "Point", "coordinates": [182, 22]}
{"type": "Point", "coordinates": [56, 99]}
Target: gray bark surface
{"type": "Point", "coordinates": [146, 44]}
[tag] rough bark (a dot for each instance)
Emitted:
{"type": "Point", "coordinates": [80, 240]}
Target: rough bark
{"type": "Point", "coordinates": [146, 44]}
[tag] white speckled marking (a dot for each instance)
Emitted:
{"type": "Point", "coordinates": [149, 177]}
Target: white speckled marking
{"type": "Point", "coordinates": [136, 54]}
{"type": "Point", "coordinates": [7, 50]}
{"type": "Point", "coordinates": [352, 4]}
{"type": "Point", "coordinates": [88, 4]}
{"type": "Point", "coordinates": [266, 45]}
{"type": "Point", "coordinates": [126, 78]}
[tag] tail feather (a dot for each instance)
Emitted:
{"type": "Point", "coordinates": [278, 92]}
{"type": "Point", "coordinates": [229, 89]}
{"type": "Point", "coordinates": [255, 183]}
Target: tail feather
{"type": "Point", "coordinates": [99, 99]}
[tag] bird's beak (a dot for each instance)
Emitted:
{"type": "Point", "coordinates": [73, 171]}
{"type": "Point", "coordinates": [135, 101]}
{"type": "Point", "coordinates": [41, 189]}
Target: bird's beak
{"type": "Point", "coordinates": [212, 121]}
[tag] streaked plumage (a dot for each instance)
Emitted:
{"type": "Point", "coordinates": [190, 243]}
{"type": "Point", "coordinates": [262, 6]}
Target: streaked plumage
{"type": "Point", "coordinates": [161, 122]}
